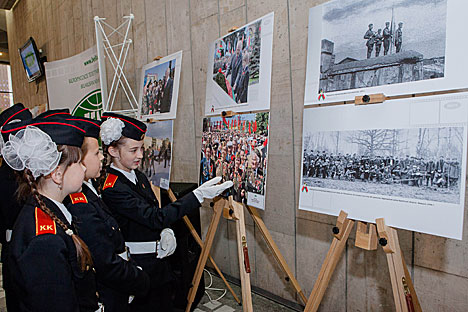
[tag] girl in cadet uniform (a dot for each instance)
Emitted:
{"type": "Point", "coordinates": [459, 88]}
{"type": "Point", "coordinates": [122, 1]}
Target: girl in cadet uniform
{"type": "Point", "coordinates": [50, 266]}
{"type": "Point", "coordinates": [127, 192]}
{"type": "Point", "coordinates": [9, 206]}
{"type": "Point", "coordinates": [117, 275]}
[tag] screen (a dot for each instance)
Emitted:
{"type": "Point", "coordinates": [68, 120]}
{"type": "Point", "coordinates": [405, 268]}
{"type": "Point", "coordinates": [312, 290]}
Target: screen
{"type": "Point", "coordinates": [30, 61]}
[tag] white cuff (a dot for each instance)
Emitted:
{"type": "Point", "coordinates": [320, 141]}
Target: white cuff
{"type": "Point", "coordinates": [198, 194]}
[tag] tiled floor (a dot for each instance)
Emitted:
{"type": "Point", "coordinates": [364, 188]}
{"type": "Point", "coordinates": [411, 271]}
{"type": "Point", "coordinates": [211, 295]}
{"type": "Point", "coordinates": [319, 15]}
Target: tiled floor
{"type": "Point", "coordinates": [225, 304]}
{"type": "Point", "coordinates": [228, 304]}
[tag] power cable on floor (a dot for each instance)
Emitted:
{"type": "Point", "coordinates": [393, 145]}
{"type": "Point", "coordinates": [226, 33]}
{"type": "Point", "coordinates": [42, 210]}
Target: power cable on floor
{"type": "Point", "coordinates": [214, 289]}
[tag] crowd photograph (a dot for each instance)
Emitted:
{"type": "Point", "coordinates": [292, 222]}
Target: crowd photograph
{"type": "Point", "coordinates": [237, 61]}
{"type": "Point", "coordinates": [236, 149]}
{"type": "Point", "coordinates": [424, 163]}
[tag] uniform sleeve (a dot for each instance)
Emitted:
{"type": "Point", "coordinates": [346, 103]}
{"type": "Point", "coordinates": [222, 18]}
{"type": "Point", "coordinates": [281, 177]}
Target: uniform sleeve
{"type": "Point", "coordinates": [141, 211]}
{"type": "Point", "coordinates": [111, 269]}
{"type": "Point", "coordinates": [47, 275]}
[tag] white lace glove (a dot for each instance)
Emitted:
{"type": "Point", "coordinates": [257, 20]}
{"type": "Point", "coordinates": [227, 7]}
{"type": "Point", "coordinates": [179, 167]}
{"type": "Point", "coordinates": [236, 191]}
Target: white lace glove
{"type": "Point", "coordinates": [167, 244]}
{"type": "Point", "coordinates": [210, 189]}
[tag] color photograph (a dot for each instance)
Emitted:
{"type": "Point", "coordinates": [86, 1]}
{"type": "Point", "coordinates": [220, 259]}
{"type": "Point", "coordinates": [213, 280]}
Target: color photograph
{"type": "Point", "coordinates": [156, 163]}
{"type": "Point", "coordinates": [160, 88]}
{"type": "Point", "coordinates": [236, 149]}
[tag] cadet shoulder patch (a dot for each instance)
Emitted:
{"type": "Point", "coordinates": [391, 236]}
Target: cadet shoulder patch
{"type": "Point", "coordinates": [110, 181]}
{"type": "Point", "coordinates": [78, 198]}
{"type": "Point", "coordinates": [44, 223]}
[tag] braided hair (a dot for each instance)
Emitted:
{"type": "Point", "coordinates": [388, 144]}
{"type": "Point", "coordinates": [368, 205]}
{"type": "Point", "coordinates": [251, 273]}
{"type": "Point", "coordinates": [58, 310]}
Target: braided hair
{"type": "Point", "coordinates": [29, 186]}
{"type": "Point", "coordinates": [107, 160]}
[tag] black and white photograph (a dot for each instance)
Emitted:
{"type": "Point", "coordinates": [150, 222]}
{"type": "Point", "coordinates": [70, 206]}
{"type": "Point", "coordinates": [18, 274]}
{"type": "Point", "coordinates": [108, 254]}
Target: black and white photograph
{"type": "Point", "coordinates": [157, 156]}
{"type": "Point", "coordinates": [375, 42]}
{"type": "Point", "coordinates": [239, 69]}
{"type": "Point", "coordinates": [421, 163]}
{"type": "Point", "coordinates": [403, 160]}
{"type": "Point", "coordinates": [389, 46]}
{"type": "Point", "coordinates": [160, 88]}
{"type": "Point", "coordinates": [236, 149]}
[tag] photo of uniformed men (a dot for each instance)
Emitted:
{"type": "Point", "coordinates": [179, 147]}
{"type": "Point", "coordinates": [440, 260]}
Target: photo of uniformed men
{"type": "Point", "coordinates": [363, 43]}
{"type": "Point", "coordinates": [156, 162]}
{"type": "Point", "coordinates": [237, 61]}
{"type": "Point", "coordinates": [158, 85]}
{"type": "Point", "coordinates": [422, 163]}
{"type": "Point", "coordinates": [236, 149]}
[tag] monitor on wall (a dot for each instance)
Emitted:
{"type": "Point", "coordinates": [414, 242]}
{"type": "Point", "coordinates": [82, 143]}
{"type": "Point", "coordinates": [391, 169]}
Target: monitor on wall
{"type": "Point", "coordinates": [31, 60]}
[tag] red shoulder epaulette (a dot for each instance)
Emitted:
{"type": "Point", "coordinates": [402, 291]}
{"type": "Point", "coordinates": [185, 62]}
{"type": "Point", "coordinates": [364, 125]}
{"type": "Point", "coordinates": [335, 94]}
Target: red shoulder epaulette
{"type": "Point", "coordinates": [78, 198]}
{"type": "Point", "coordinates": [110, 181]}
{"type": "Point", "coordinates": [44, 223]}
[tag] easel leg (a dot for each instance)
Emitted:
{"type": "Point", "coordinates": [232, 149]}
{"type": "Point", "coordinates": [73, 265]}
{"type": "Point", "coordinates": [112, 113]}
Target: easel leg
{"type": "Point", "coordinates": [399, 274]}
{"type": "Point", "coordinates": [275, 251]}
{"type": "Point", "coordinates": [344, 226]}
{"type": "Point", "coordinates": [218, 210]}
{"type": "Point", "coordinates": [241, 243]}
{"type": "Point", "coordinates": [200, 242]}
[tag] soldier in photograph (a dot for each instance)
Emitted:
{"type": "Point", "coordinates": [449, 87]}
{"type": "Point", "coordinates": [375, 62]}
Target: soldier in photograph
{"type": "Point", "coordinates": [399, 37]}
{"type": "Point", "coordinates": [378, 42]}
{"type": "Point", "coordinates": [387, 37]}
{"type": "Point", "coordinates": [370, 36]}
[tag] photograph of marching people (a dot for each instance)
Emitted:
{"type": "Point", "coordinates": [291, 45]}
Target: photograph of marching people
{"type": "Point", "coordinates": [421, 163]}
{"type": "Point", "coordinates": [156, 162]}
{"type": "Point", "coordinates": [160, 88]}
{"type": "Point", "coordinates": [403, 160]}
{"type": "Point", "coordinates": [236, 148]}
{"type": "Point", "coordinates": [239, 68]}
{"type": "Point", "coordinates": [364, 45]}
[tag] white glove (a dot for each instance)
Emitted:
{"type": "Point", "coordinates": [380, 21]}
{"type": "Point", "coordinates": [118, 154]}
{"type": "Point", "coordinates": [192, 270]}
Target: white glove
{"type": "Point", "coordinates": [210, 189]}
{"type": "Point", "coordinates": [167, 244]}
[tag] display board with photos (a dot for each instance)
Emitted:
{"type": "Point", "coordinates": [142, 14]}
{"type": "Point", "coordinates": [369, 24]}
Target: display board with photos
{"type": "Point", "coordinates": [391, 47]}
{"type": "Point", "coordinates": [157, 156]}
{"type": "Point", "coordinates": [403, 160]}
{"type": "Point", "coordinates": [159, 89]}
{"type": "Point", "coordinates": [239, 69]}
{"type": "Point", "coordinates": [236, 149]}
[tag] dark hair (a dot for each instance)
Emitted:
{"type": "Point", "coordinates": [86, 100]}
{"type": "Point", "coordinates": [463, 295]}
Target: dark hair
{"type": "Point", "coordinates": [28, 185]}
{"type": "Point", "coordinates": [105, 152]}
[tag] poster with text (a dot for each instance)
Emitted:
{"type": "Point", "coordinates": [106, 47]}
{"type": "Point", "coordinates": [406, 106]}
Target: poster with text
{"type": "Point", "coordinates": [74, 83]}
{"type": "Point", "coordinates": [391, 47]}
{"type": "Point", "coordinates": [404, 160]}
{"type": "Point", "coordinates": [239, 69]}
{"type": "Point", "coordinates": [236, 149]}
{"type": "Point", "coordinates": [157, 156]}
{"type": "Point", "coordinates": [160, 88]}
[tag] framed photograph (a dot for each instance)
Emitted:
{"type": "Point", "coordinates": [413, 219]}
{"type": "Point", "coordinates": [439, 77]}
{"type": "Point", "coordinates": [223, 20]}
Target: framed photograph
{"type": "Point", "coordinates": [160, 88]}
{"type": "Point", "coordinates": [404, 160]}
{"type": "Point", "coordinates": [239, 69]}
{"type": "Point", "coordinates": [156, 163]}
{"type": "Point", "coordinates": [236, 148]}
{"type": "Point", "coordinates": [389, 47]}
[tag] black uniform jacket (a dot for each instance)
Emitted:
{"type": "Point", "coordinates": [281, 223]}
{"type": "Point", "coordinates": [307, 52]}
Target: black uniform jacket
{"type": "Point", "coordinates": [43, 264]}
{"type": "Point", "coordinates": [102, 234]}
{"type": "Point", "coordinates": [137, 211]}
{"type": "Point", "coordinates": [9, 206]}
{"type": "Point", "coordinates": [136, 208]}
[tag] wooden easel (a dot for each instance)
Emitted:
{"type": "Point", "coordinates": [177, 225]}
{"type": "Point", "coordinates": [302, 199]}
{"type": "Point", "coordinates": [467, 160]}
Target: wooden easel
{"type": "Point", "coordinates": [193, 231]}
{"type": "Point", "coordinates": [404, 294]}
{"type": "Point", "coordinates": [233, 210]}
